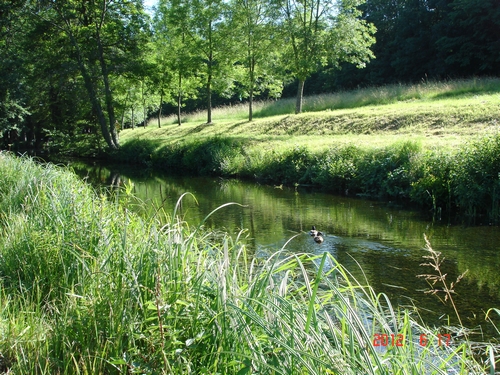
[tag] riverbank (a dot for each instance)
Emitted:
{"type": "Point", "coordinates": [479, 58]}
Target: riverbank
{"type": "Point", "coordinates": [437, 147]}
{"type": "Point", "coordinates": [87, 286]}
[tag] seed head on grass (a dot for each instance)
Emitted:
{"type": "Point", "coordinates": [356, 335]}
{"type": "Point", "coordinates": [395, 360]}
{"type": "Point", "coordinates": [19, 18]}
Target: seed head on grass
{"type": "Point", "coordinates": [438, 278]}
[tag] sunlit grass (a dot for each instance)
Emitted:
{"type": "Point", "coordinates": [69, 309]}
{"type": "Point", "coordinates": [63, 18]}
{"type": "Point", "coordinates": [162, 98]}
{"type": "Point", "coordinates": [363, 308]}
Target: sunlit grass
{"type": "Point", "coordinates": [362, 97]}
{"type": "Point", "coordinates": [89, 287]}
{"type": "Point", "coordinates": [440, 115]}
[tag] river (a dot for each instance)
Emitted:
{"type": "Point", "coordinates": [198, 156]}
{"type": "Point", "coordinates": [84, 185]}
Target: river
{"type": "Point", "coordinates": [379, 241]}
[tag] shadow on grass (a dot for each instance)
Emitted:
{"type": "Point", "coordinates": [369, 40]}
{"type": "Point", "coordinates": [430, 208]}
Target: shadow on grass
{"type": "Point", "coordinates": [200, 128]}
{"type": "Point", "coordinates": [137, 150]}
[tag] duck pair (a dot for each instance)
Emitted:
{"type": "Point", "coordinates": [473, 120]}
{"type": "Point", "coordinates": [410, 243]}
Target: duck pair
{"type": "Point", "coordinates": [318, 236]}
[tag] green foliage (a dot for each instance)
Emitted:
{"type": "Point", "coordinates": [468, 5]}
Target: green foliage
{"type": "Point", "coordinates": [214, 156]}
{"type": "Point", "coordinates": [320, 33]}
{"type": "Point", "coordinates": [387, 172]}
{"type": "Point", "coordinates": [420, 40]}
{"type": "Point", "coordinates": [471, 44]}
{"type": "Point", "coordinates": [289, 167]}
{"type": "Point", "coordinates": [139, 151]}
{"type": "Point", "coordinates": [337, 169]}
{"type": "Point", "coordinates": [475, 178]}
{"type": "Point", "coordinates": [12, 113]}
{"type": "Point", "coordinates": [431, 180]}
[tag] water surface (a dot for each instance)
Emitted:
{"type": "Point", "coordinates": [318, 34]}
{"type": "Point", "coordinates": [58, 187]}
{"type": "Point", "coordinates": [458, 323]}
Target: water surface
{"type": "Point", "coordinates": [377, 241]}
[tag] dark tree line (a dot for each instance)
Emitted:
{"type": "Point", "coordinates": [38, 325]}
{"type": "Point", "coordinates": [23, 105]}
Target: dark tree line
{"type": "Point", "coordinates": [423, 40]}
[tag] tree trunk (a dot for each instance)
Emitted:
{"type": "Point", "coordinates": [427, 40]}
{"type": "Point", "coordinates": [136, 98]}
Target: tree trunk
{"type": "Point", "coordinates": [143, 97]}
{"type": "Point", "coordinates": [250, 105]}
{"type": "Point", "coordinates": [179, 101]}
{"type": "Point", "coordinates": [209, 97]}
{"type": "Point", "coordinates": [96, 105]}
{"type": "Point", "coordinates": [209, 79]}
{"type": "Point", "coordinates": [159, 109]}
{"type": "Point", "coordinates": [123, 112]}
{"type": "Point", "coordinates": [108, 93]}
{"type": "Point", "coordinates": [300, 94]}
{"type": "Point", "coordinates": [250, 96]}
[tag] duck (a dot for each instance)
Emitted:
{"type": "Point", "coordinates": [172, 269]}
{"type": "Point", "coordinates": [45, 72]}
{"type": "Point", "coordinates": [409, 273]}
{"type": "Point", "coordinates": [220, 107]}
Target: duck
{"type": "Point", "coordinates": [318, 238]}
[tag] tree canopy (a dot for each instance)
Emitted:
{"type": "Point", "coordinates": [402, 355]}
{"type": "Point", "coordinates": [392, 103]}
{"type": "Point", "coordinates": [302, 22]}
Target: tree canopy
{"type": "Point", "coordinates": [80, 70]}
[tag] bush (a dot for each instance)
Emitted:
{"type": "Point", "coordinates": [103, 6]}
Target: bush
{"type": "Point", "coordinates": [475, 178]}
{"type": "Point", "coordinates": [214, 156]}
{"type": "Point", "coordinates": [138, 151]}
{"type": "Point", "coordinates": [337, 168]}
{"type": "Point", "coordinates": [289, 167]}
{"type": "Point", "coordinates": [169, 158]}
{"type": "Point", "coordinates": [386, 173]}
{"type": "Point", "coordinates": [431, 181]}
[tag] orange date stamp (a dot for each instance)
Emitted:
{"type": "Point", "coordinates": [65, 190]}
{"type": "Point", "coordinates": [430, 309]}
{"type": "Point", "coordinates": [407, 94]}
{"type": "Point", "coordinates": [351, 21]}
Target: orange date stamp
{"type": "Point", "coordinates": [398, 340]}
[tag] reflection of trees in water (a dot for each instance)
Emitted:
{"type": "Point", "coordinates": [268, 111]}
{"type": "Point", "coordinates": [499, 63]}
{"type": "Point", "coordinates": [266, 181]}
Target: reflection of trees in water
{"type": "Point", "coordinates": [386, 241]}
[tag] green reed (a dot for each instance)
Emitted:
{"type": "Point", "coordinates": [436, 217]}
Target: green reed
{"type": "Point", "coordinates": [89, 287]}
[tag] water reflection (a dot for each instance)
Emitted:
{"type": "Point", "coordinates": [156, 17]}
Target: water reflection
{"type": "Point", "coordinates": [385, 242]}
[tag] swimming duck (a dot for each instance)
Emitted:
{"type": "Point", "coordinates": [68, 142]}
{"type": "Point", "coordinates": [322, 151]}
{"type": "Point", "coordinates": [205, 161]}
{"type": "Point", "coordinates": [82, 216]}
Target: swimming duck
{"type": "Point", "coordinates": [313, 232]}
{"type": "Point", "coordinates": [319, 238]}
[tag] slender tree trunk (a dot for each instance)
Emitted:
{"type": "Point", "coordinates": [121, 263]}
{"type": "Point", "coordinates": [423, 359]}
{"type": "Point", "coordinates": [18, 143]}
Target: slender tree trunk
{"type": "Point", "coordinates": [250, 105]}
{"type": "Point", "coordinates": [209, 97]}
{"type": "Point", "coordinates": [159, 109]}
{"type": "Point", "coordinates": [179, 100]}
{"type": "Point", "coordinates": [300, 94]}
{"type": "Point", "coordinates": [143, 97]}
{"type": "Point", "coordinates": [250, 97]}
{"type": "Point", "coordinates": [209, 79]}
{"type": "Point", "coordinates": [123, 112]}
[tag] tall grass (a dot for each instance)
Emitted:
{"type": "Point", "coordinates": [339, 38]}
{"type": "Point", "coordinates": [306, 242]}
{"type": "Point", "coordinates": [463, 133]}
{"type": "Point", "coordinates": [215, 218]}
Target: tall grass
{"type": "Point", "coordinates": [229, 112]}
{"type": "Point", "coordinates": [88, 287]}
{"type": "Point", "coordinates": [361, 97]}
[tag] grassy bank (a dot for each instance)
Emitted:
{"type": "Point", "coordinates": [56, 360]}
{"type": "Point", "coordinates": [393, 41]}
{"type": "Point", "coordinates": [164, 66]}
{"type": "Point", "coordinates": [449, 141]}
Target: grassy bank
{"type": "Point", "coordinates": [435, 144]}
{"type": "Point", "coordinates": [88, 287]}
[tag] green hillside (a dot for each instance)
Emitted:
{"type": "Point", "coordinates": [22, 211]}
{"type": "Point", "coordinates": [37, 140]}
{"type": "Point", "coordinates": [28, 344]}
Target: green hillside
{"type": "Point", "coordinates": [434, 144]}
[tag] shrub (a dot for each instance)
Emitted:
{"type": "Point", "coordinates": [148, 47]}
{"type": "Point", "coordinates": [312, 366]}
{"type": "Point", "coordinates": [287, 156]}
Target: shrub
{"type": "Point", "coordinates": [139, 151]}
{"type": "Point", "coordinates": [431, 181]}
{"type": "Point", "coordinates": [169, 158]}
{"type": "Point", "coordinates": [337, 168]}
{"type": "Point", "coordinates": [214, 156]}
{"type": "Point", "coordinates": [475, 178]}
{"type": "Point", "coordinates": [288, 167]}
{"type": "Point", "coordinates": [386, 173]}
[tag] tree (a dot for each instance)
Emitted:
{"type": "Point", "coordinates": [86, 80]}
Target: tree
{"type": "Point", "coordinates": [254, 22]}
{"type": "Point", "coordinates": [213, 43]}
{"type": "Point", "coordinates": [13, 109]}
{"type": "Point", "coordinates": [470, 44]}
{"type": "Point", "coordinates": [318, 32]}
{"type": "Point", "coordinates": [105, 37]}
{"type": "Point", "coordinates": [175, 54]}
